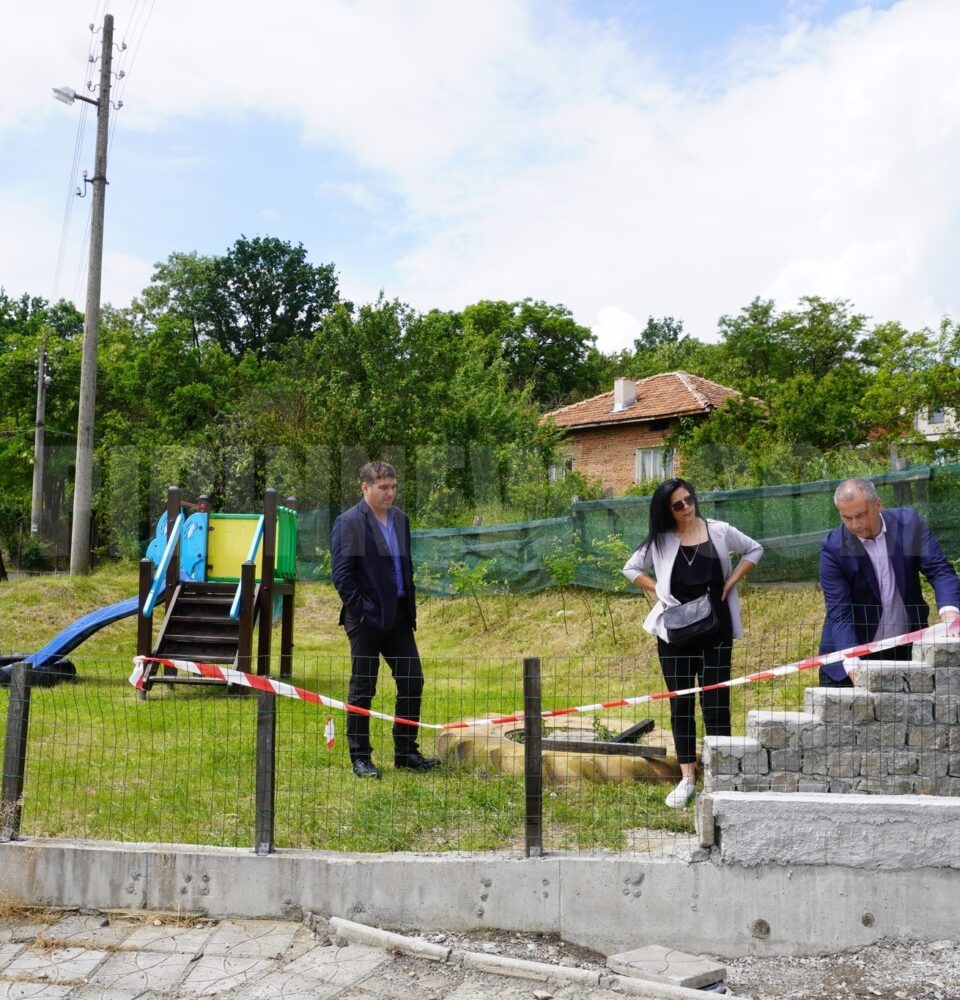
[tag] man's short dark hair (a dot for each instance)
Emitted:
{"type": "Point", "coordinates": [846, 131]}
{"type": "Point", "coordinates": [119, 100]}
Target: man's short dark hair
{"type": "Point", "coordinates": [373, 471]}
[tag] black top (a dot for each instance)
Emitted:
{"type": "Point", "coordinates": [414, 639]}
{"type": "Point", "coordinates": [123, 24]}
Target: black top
{"type": "Point", "coordinates": [697, 570]}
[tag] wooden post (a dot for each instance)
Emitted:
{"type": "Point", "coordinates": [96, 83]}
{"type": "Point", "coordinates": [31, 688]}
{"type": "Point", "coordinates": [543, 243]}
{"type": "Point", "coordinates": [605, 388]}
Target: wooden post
{"type": "Point", "coordinates": [264, 611]}
{"type": "Point", "coordinates": [286, 617]}
{"type": "Point", "coordinates": [145, 622]}
{"type": "Point", "coordinates": [532, 758]}
{"type": "Point", "coordinates": [15, 752]}
{"type": "Point", "coordinates": [248, 585]}
{"type": "Point", "coordinates": [173, 512]}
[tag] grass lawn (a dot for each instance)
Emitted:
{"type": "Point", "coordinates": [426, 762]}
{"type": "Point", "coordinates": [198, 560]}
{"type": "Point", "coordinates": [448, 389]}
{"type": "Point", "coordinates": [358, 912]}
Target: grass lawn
{"type": "Point", "coordinates": [178, 766]}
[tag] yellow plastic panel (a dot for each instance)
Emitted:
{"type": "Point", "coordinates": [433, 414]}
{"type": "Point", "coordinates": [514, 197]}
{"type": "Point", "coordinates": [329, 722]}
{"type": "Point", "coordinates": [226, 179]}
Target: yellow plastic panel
{"type": "Point", "coordinates": [228, 545]}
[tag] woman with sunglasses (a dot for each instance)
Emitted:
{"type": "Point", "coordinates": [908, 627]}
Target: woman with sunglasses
{"type": "Point", "coordinates": [683, 557]}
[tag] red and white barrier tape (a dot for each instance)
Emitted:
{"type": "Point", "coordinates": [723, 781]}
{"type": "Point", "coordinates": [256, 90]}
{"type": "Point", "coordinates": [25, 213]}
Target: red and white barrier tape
{"type": "Point", "coordinates": [259, 683]}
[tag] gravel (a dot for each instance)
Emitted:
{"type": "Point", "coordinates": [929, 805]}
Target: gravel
{"type": "Point", "coordinates": [901, 969]}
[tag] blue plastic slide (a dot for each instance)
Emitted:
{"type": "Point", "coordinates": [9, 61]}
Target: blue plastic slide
{"type": "Point", "coordinates": [81, 629]}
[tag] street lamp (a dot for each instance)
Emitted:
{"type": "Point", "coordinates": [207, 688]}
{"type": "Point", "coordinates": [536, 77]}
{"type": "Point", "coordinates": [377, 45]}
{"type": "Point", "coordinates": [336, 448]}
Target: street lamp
{"type": "Point", "coordinates": [68, 95]}
{"type": "Point", "coordinates": [83, 476]}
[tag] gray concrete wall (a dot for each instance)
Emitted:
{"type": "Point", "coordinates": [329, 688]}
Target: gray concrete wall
{"type": "Point", "coordinates": [609, 903]}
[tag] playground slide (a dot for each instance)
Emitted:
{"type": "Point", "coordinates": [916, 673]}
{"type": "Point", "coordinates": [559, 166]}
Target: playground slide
{"type": "Point", "coordinates": [81, 629]}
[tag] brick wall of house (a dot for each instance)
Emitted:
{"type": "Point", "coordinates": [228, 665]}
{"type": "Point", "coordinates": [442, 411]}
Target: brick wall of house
{"type": "Point", "coordinates": [609, 453]}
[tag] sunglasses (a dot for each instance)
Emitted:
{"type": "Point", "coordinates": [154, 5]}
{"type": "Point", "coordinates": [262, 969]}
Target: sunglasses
{"type": "Point", "coordinates": [683, 504]}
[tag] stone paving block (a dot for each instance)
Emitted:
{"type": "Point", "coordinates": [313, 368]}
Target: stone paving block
{"type": "Point", "coordinates": [251, 938]}
{"type": "Point", "coordinates": [8, 952]}
{"type": "Point", "coordinates": [219, 974]}
{"type": "Point", "coordinates": [20, 933]}
{"type": "Point", "coordinates": [58, 966]}
{"type": "Point", "coordinates": [153, 971]}
{"type": "Point", "coordinates": [840, 706]}
{"type": "Point", "coordinates": [336, 964]}
{"type": "Point", "coordinates": [90, 931]}
{"type": "Point", "coordinates": [907, 676]}
{"type": "Point", "coordinates": [33, 991]}
{"type": "Point", "coordinates": [667, 965]}
{"type": "Point", "coordinates": [170, 937]}
{"type": "Point", "coordinates": [778, 730]}
{"type": "Point", "coordinates": [105, 993]}
{"type": "Point", "coordinates": [943, 653]}
{"type": "Point", "coordinates": [322, 972]}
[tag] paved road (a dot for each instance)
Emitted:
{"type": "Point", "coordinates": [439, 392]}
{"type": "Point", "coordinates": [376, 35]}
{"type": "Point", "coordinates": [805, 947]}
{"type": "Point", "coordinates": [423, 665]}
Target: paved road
{"type": "Point", "coordinates": [136, 956]}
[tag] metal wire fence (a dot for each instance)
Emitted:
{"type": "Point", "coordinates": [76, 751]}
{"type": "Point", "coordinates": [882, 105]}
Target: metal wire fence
{"type": "Point", "coordinates": [180, 765]}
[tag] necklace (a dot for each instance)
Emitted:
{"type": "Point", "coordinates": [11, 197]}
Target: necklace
{"type": "Point", "coordinates": [696, 549]}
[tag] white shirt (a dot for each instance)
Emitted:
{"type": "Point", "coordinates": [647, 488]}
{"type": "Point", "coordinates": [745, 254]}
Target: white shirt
{"type": "Point", "coordinates": [895, 620]}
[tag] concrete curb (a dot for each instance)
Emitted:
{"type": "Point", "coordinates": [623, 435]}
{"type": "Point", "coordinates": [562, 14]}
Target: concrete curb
{"type": "Point", "coordinates": [503, 965]}
{"type": "Point", "coordinates": [389, 940]}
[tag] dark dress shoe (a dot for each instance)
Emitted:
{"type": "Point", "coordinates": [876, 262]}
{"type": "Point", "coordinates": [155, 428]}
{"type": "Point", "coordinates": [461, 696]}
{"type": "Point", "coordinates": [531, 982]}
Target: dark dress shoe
{"type": "Point", "coordinates": [416, 762]}
{"type": "Point", "coordinates": [365, 769]}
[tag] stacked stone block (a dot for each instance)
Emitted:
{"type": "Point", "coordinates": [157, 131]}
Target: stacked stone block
{"type": "Point", "coordinates": [897, 732]}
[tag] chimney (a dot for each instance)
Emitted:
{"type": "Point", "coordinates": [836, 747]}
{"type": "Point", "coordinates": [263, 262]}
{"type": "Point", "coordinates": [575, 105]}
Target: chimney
{"type": "Point", "coordinates": [624, 393]}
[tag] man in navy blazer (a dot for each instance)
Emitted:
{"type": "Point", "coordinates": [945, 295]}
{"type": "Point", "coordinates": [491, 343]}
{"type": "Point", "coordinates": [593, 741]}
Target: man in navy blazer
{"type": "Point", "coordinates": [870, 570]}
{"type": "Point", "coordinates": [373, 574]}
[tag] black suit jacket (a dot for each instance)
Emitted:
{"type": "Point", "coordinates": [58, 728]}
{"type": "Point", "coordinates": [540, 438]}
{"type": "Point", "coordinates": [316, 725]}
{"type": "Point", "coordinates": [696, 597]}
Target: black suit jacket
{"type": "Point", "coordinates": [851, 590]}
{"type": "Point", "coordinates": [363, 570]}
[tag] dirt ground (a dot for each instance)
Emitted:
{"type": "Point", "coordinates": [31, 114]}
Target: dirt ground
{"type": "Point", "coordinates": [901, 969]}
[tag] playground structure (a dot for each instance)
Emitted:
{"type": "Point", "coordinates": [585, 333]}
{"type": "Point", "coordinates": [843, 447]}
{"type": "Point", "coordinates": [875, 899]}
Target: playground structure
{"type": "Point", "coordinates": [219, 577]}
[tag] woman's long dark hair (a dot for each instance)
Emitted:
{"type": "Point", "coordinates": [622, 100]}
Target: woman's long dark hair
{"type": "Point", "coordinates": [661, 517]}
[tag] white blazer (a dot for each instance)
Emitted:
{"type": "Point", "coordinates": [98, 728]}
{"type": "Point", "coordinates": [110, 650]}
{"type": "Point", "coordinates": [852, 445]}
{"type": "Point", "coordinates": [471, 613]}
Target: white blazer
{"type": "Point", "coordinates": [726, 539]}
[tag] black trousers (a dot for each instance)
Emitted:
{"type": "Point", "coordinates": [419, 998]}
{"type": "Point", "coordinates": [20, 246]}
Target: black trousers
{"type": "Point", "coordinates": [399, 648]}
{"type": "Point", "coordinates": [682, 666]}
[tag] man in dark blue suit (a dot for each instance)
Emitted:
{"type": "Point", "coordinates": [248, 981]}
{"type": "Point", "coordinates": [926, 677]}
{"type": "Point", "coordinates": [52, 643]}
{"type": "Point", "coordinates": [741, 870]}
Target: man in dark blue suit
{"type": "Point", "coordinates": [870, 569]}
{"type": "Point", "coordinates": [373, 574]}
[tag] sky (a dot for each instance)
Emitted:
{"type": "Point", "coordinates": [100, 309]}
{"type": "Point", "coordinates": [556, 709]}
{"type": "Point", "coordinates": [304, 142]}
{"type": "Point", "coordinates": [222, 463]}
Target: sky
{"type": "Point", "coordinates": [621, 158]}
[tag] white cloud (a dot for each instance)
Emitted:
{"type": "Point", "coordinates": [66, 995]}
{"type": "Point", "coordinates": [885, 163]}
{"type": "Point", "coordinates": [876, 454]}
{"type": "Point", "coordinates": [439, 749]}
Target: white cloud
{"type": "Point", "coordinates": [615, 329]}
{"type": "Point", "coordinates": [506, 149]}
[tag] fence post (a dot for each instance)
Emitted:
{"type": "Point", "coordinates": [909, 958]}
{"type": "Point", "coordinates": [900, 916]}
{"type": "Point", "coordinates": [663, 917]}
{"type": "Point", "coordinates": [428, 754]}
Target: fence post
{"type": "Point", "coordinates": [266, 772]}
{"type": "Point", "coordinates": [15, 752]}
{"type": "Point", "coordinates": [532, 758]}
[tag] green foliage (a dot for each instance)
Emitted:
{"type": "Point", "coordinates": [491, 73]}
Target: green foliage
{"type": "Point", "coordinates": [601, 731]}
{"type": "Point", "coordinates": [233, 372]}
{"type": "Point", "coordinates": [471, 580]}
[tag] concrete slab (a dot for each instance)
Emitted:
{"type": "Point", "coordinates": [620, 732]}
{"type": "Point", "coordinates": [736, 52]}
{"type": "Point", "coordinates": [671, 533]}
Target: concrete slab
{"type": "Point", "coordinates": [322, 972]}
{"type": "Point", "coordinates": [219, 974]}
{"type": "Point", "coordinates": [159, 936]}
{"type": "Point", "coordinates": [251, 939]}
{"type": "Point", "coordinates": [30, 991]}
{"type": "Point", "coordinates": [140, 971]}
{"type": "Point", "coordinates": [668, 965]}
{"type": "Point", "coordinates": [62, 965]}
{"type": "Point", "coordinates": [85, 930]}
{"type": "Point", "coordinates": [104, 993]}
{"type": "Point", "coordinates": [8, 952]}
{"type": "Point", "coordinates": [892, 832]}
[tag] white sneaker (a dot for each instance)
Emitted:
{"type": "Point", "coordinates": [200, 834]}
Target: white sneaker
{"type": "Point", "coordinates": [682, 794]}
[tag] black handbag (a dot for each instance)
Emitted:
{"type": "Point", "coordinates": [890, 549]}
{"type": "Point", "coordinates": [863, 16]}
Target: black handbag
{"type": "Point", "coordinates": [694, 620]}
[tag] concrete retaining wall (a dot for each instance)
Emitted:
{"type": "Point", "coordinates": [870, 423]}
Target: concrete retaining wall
{"type": "Point", "coordinates": [609, 903]}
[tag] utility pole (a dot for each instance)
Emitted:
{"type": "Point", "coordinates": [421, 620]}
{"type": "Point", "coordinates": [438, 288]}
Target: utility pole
{"type": "Point", "coordinates": [83, 479]}
{"type": "Point", "coordinates": [36, 506]}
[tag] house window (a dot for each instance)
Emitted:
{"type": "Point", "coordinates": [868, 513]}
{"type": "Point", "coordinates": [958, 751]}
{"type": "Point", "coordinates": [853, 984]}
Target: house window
{"type": "Point", "coordinates": [560, 471]}
{"type": "Point", "coordinates": [653, 463]}
{"type": "Point", "coordinates": [935, 417]}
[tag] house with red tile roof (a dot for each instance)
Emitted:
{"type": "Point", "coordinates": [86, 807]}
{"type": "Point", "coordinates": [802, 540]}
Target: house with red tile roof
{"type": "Point", "coordinates": [619, 437]}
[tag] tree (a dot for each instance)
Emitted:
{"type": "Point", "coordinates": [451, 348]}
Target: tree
{"type": "Point", "coordinates": [259, 296]}
{"type": "Point", "coordinates": [543, 347]}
